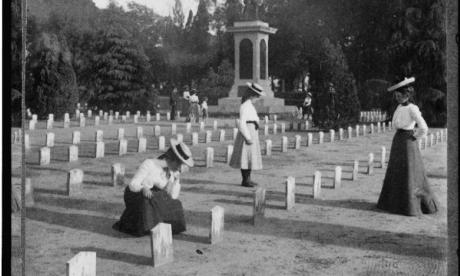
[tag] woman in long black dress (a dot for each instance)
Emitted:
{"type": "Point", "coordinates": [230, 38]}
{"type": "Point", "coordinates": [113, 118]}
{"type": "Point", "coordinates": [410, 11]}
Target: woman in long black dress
{"type": "Point", "coordinates": [151, 196]}
{"type": "Point", "coordinates": [405, 188]}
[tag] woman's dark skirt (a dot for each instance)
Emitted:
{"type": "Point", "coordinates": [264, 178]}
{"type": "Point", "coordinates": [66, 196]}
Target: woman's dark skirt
{"type": "Point", "coordinates": [405, 188]}
{"type": "Point", "coordinates": [142, 214]}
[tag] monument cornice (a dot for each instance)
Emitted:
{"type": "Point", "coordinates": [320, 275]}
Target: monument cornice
{"type": "Point", "coordinates": [256, 26]}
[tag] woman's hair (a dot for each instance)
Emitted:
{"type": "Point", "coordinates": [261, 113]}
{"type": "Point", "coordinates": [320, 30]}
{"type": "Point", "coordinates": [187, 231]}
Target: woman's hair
{"type": "Point", "coordinates": [249, 94]}
{"type": "Point", "coordinates": [169, 154]}
{"type": "Point", "coordinates": [407, 90]}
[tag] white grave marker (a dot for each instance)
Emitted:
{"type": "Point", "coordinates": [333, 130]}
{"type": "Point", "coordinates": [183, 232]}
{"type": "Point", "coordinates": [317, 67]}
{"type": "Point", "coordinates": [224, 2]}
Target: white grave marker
{"type": "Point", "coordinates": [216, 233]}
{"type": "Point", "coordinates": [122, 147]}
{"type": "Point", "coordinates": [298, 140]}
{"type": "Point", "coordinates": [321, 137]}
{"type": "Point", "coordinates": [142, 145]}
{"type": "Point", "coordinates": [338, 177]}
{"type": "Point", "coordinates": [99, 135]}
{"type": "Point", "coordinates": [309, 139]}
{"type": "Point", "coordinates": [45, 156]}
{"type": "Point", "coordinates": [74, 182]}
{"type": "Point", "coordinates": [76, 137]}
{"type": "Point", "coordinates": [208, 136]}
{"type": "Point", "coordinates": [194, 139]}
{"type": "Point", "coordinates": [82, 264]}
{"type": "Point", "coordinates": [258, 211]}
{"type": "Point", "coordinates": [161, 143]}
{"type": "Point", "coordinates": [161, 242]}
{"type": "Point", "coordinates": [354, 175]}
{"type": "Point", "coordinates": [290, 192]}
{"type": "Point", "coordinates": [317, 185]}
{"type": "Point", "coordinates": [100, 146]}
{"type": "Point", "coordinates": [118, 174]}
{"type": "Point", "coordinates": [284, 144]}
{"type": "Point", "coordinates": [73, 153]}
{"type": "Point", "coordinates": [370, 164]}
{"type": "Point", "coordinates": [209, 157]}
{"type": "Point", "coordinates": [268, 147]}
{"type": "Point", "coordinates": [50, 139]}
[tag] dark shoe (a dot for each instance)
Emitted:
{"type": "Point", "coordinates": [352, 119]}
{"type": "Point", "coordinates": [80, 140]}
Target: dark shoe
{"type": "Point", "coordinates": [252, 183]}
{"type": "Point", "coordinates": [248, 184]}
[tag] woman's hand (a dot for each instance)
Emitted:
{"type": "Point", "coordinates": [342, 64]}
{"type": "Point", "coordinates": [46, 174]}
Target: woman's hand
{"type": "Point", "coordinates": [147, 192]}
{"type": "Point", "coordinates": [249, 142]}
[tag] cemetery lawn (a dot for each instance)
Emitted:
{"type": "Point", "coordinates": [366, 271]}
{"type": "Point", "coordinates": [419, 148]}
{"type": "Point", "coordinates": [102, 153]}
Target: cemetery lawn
{"type": "Point", "coordinates": [340, 234]}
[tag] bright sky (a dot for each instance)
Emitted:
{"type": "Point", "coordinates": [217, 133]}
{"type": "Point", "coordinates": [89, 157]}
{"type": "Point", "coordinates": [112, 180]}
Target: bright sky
{"type": "Point", "coordinates": [162, 7]}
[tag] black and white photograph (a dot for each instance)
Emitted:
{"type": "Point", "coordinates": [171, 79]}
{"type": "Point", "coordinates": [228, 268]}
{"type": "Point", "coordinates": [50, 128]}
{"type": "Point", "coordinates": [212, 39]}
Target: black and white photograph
{"type": "Point", "coordinates": [230, 137]}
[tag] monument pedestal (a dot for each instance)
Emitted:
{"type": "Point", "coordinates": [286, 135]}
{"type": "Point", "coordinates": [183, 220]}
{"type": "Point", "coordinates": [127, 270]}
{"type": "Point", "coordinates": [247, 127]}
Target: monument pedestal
{"type": "Point", "coordinates": [263, 105]}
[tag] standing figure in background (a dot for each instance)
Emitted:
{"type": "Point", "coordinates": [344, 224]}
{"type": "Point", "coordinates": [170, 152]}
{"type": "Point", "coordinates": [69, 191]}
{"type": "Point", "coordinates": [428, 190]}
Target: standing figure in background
{"type": "Point", "coordinates": [204, 109]}
{"type": "Point", "coordinates": [173, 102]}
{"type": "Point", "coordinates": [306, 107]}
{"type": "Point", "coordinates": [186, 96]}
{"type": "Point", "coordinates": [194, 107]}
{"type": "Point", "coordinates": [332, 92]}
{"type": "Point", "coordinates": [405, 188]}
{"type": "Point", "coordinates": [246, 153]}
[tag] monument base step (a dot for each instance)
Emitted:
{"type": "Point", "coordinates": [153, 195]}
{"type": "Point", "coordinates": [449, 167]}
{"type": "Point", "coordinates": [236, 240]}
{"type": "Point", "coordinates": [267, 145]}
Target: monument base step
{"type": "Point", "coordinates": [263, 105]}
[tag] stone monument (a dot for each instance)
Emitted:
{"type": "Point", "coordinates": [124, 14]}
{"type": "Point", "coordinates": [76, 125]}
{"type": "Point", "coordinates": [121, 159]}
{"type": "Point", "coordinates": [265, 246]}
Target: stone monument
{"type": "Point", "coordinates": [251, 63]}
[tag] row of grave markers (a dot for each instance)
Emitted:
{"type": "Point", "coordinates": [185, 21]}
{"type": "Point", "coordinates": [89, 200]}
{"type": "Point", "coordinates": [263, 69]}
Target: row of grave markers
{"type": "Point", "coordinates": [372, 116]}
{"type": "Point", "coordinates": [75, 176]}
{"type": "Point", "coordinates": [161, 234]}
{"type": "Point", "coordinates": [161, 245]}
{"type": "Point", "coordinates": [429, 140]}
{"type": "Point", "coordinates": [106, 117]}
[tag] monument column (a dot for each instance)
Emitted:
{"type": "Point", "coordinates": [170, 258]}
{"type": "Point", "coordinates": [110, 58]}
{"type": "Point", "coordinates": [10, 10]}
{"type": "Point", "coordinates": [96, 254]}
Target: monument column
{"type": "Point", "coordinates": [251, 67]}
{"type": "Point", "coordinates": [256, 59]}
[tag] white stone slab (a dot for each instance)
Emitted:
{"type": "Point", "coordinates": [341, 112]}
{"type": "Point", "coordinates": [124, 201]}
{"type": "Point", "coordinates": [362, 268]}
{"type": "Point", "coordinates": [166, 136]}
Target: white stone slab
{"type": "Point", "coordinates": [161, 242]}
{"type": "Point", "coordinates": [82, 264]}
{"type": "Point", "coordinates": [45, 156]}
{"type": "Point", "coordinates": [216, 233]}
{"type": "Point", "coordinates": [290, 193]}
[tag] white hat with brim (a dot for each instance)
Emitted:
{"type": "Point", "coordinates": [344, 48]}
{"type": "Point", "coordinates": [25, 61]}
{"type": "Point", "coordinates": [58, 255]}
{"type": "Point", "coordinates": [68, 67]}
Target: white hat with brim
{"type": "Point", "coordinates": [182, 152]}
{"type": "Point", "coordinates": [403, 83]}
{"type": "Point", "coordinates": [256, 88]}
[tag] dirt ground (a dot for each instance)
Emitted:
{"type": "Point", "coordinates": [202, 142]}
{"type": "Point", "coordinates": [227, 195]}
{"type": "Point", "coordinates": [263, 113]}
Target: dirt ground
{"type": "Point", "coordinates": [340, 234]}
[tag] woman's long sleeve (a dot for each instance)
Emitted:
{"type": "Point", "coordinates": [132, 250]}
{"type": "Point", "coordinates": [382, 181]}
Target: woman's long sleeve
{"type": "Point", "coordinates": [136, 182]}
{"type": "Point", "coordinates": [422, 128]}
{"type": "Point", "coordinates": [173, 187]}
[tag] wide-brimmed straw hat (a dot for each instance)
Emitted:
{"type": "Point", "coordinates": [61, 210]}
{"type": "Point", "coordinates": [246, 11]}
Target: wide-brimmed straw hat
{"type": "Point", "coordinates": [256, 88]}
{"type": "Point", "coordinates": [400, 84]}
{"type": "Point", "coordinates": [182, 152]}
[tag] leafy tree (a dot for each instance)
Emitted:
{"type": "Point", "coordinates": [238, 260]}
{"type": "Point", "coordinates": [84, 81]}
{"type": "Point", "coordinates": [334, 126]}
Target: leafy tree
{"type": "Point", "coordinates": [342, 107]}
{"type": "Point", "coordinates": [120, 66]}
{"type": "Point", "coordinates": [217, 84]}
{"type": "Point", "coordinates": [417, 48]}
{"type": "Point", "coordinates": [52, 85]}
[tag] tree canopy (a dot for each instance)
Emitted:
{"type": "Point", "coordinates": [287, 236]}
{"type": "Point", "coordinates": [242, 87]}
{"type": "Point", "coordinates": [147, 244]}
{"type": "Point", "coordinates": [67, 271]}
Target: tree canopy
{"type": "Point", "coordinates": [114, 55]}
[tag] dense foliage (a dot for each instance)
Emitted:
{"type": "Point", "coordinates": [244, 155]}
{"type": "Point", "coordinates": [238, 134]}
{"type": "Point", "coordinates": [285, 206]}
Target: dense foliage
{"type": "Point", "coordinates": [110, 58]}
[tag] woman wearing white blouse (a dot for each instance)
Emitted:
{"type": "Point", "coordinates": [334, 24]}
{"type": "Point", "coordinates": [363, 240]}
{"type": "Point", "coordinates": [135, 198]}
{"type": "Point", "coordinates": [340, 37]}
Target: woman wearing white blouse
{"type": "Point", "coordinates": [246, 149]}
{"type": "Point", "coordinates": [152, 195]}
{"type": "Point", "coordinates": [405, 188]}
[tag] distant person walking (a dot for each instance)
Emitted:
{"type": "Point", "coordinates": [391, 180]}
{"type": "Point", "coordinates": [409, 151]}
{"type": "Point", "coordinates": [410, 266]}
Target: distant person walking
{"type": "Point", "coordinates": [306, 107]}
{"type": "Point", "coordinates": [194, 106]}
{"type": "Point", "coordinates": [204, 109]}
{"type": "Point", "coordinates": [405, 188]}
{"type": "Point", "coordinates": [246, 149]}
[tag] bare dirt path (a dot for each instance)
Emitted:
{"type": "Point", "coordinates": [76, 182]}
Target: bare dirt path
{"type": "Point", "coordinates": [340, 234]}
